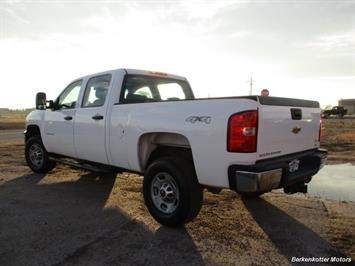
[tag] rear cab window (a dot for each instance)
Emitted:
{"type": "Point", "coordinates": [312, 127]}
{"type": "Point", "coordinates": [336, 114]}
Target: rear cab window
{"type": "Point", "coordinates": [141, 88]}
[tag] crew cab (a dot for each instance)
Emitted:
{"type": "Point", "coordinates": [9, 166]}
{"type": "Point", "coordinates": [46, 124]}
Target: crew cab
{"type": "Point", "coordinates": [150, 123]}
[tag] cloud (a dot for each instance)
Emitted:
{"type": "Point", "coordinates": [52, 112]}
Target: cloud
{"type": "Point", "coordinates": [238, 35]}
{"type": "Point", "coordinates": [343, 43]}
{"type": "Point", "coordinates": [216, 44]}
{"type": "Point", "coordinates": [12, 14]}
{"type": "Point", "coordinates": [198, 9]}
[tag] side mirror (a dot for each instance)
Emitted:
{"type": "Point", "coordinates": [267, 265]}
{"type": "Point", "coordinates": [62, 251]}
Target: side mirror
{"type": "Point", "coordinates": [51, 105]}
{"type": "Point", "coordinates": [40, 101]}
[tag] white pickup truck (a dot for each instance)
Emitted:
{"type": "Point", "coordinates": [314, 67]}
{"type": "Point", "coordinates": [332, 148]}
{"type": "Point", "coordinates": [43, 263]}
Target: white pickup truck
{"type": "Point", "coordinates": [150, 123]}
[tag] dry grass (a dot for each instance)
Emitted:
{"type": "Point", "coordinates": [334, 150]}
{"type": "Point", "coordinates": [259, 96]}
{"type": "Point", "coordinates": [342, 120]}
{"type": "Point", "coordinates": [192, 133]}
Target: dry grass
{"type": "Point", "coordinates": [13, 119]}
{"type": "Point", "coordinates": [339, 139]}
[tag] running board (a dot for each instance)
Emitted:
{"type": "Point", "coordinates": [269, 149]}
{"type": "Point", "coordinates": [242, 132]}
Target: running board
{"type": "Point", "coordinates": [81, 165]}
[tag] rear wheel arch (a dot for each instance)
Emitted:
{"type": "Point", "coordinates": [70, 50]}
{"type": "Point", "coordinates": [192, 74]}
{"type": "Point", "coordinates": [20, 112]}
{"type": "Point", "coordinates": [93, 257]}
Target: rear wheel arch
{"type": "Point", "coordinates": [152, 146]}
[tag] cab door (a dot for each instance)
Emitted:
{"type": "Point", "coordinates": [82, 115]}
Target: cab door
{"type": "Point", "coordinates": [59, 122]}
{"type": "Point", "coordinates": [90, 119]}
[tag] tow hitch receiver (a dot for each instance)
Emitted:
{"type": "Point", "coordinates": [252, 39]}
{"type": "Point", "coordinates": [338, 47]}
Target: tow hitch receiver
{"type": "Point", "coordinates": [298, 187]}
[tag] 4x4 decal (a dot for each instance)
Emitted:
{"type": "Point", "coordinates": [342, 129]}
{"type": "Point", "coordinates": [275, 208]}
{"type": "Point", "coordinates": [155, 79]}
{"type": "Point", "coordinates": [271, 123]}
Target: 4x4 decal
{"type": "Point", "coordinates": [203, 119]}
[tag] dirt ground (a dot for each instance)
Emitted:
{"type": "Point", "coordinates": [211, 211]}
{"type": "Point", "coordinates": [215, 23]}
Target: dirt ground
{"type": "Point", "coordinates": [72, 217]}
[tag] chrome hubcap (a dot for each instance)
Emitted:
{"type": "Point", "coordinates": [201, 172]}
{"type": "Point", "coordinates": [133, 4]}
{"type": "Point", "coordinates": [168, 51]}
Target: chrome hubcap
{"type": "Point", "coordinates": [36, 155]}
{"type": "Point", "coordinates": [165, 193]}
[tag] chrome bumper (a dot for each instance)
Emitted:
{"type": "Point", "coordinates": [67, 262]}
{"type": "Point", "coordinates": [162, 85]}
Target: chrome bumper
{"type": "Point", "coordinates": [278, 172]}
{"type": "Point", "coordinates": [323, 161]}
{"type": "Point", "coordinates": [263, 181]}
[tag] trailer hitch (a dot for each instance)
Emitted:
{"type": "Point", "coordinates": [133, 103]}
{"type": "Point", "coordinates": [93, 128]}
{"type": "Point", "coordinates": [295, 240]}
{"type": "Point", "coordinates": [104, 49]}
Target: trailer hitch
{"type": "Point", "coordinates": [297, 187]}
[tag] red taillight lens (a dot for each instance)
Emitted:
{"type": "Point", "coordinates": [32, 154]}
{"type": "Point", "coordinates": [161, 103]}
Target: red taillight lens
{"type": "Point", "coordinates": [242, 132]}
{"type": "Point", "coordinates": [320, 128]}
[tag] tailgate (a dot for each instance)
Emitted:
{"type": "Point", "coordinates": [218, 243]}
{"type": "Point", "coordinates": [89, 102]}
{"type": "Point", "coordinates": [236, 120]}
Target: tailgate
{"type": "Point", "coordinates": [286, 126]}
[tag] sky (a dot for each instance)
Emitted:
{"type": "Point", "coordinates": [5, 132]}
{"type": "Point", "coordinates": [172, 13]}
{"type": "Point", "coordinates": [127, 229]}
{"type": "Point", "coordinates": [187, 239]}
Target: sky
{"type": "Point", "coordinates": [300, 49]}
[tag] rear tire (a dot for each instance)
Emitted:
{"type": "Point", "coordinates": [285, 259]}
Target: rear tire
{"type": "Point", "coordinates": [37, 157]}
{"type": "Point", "coordinates": [171, 191]}
{"type": "Point", "coordinates": [252, 195]}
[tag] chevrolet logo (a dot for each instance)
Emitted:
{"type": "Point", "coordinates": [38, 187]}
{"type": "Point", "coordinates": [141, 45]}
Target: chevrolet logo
{"type": "Point", "coordinates": [296, 130]}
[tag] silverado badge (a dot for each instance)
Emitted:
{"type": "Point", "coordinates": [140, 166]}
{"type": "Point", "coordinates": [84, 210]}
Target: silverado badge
{"type": "Point", "coordinates": [296, 130]}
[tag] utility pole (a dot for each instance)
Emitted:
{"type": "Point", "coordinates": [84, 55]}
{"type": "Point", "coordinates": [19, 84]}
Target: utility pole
{"type": "Point", "coordinates": [251, 83]}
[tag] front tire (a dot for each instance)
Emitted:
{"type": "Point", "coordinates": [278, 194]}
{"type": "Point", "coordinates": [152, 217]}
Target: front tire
{"type": "Point", "coordinates": [37, 157]}
{"type": "Point", "coordinates": [171, 191]}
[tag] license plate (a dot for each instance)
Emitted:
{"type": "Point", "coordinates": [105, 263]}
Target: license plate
{"type": "Point", "coordinates": [293, 166]}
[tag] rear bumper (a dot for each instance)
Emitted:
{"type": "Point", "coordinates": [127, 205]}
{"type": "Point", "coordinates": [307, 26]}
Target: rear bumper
{"type": "Point", "coordinates": [277, 172]}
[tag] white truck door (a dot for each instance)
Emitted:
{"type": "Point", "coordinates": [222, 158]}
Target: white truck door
{"type": "Point", "coordinates": [89, 128]}
{"type": "Point", "coordinates": [59, 124]}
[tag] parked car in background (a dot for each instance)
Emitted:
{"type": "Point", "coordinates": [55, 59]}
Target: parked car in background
{"type": "Point", "coordinates": [339, 111]}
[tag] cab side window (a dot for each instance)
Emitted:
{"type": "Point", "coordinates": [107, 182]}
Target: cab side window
{"type": "Point", "coordinates": [96, 91]}
{"type": "Point", "coordinates": [69, 97]}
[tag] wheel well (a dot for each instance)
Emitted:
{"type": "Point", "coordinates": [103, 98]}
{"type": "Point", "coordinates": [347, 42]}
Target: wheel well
{"type": "Point", "coordinates": [32, 131]}
{"type": "Point", "coordinates": [154, 145]}
{"type": "Point", "coordinates": [162, 151]}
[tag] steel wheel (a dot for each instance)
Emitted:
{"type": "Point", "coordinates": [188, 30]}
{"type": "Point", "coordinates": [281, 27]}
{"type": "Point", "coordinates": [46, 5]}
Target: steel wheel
{"type": "Point", "coordinates": [165, 193]}
{"type": "Point", "coordinates": [36, 155]}
{"type": "Point", "coordinates": [171, 191]}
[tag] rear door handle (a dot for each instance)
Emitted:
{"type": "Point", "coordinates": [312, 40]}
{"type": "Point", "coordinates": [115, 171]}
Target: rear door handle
{"type": "Point", "coordinates": [97, 117]}
{"type": "Point", "coordinates": [68, 118]}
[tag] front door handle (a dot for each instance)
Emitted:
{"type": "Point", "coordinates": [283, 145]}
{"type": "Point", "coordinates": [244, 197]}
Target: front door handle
{"type": "Point", "coordinates": [68, 118]}
{"type": "Point", "coordinates": [97, 117]}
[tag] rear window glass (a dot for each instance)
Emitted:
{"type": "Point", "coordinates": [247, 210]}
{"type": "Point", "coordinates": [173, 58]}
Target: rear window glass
{"type": "Point", "coordinates": [139, 89]}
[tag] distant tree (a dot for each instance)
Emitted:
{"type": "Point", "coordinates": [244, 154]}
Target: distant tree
{"type": "Point", "coordinates": [328, 107]}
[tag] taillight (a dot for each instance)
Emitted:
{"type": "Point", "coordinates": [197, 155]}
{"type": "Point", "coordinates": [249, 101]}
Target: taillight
{"type": "Point", "coordinates": [320, 128]}
{"type": "Point", "coordinates": [242, 132]}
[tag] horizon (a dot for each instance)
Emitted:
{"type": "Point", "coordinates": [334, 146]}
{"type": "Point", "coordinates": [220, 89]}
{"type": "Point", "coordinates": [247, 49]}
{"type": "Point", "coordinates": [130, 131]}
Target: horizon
{"type": "Point", "coordinates": [294, 49]}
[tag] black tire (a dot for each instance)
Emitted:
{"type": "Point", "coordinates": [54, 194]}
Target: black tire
{"type": "Point", "coordinates": [40, 162]}
{"type": "Point", "coordinates": [189, 191]}
{"type": "Point", "coordinates": [251, 195]}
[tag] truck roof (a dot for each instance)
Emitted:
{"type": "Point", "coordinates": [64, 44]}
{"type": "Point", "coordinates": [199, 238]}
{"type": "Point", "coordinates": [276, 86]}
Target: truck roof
{"type": "Point", "coordinates": [153, 73]}
{"type": "Point", "coordinates": [138, 72]}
